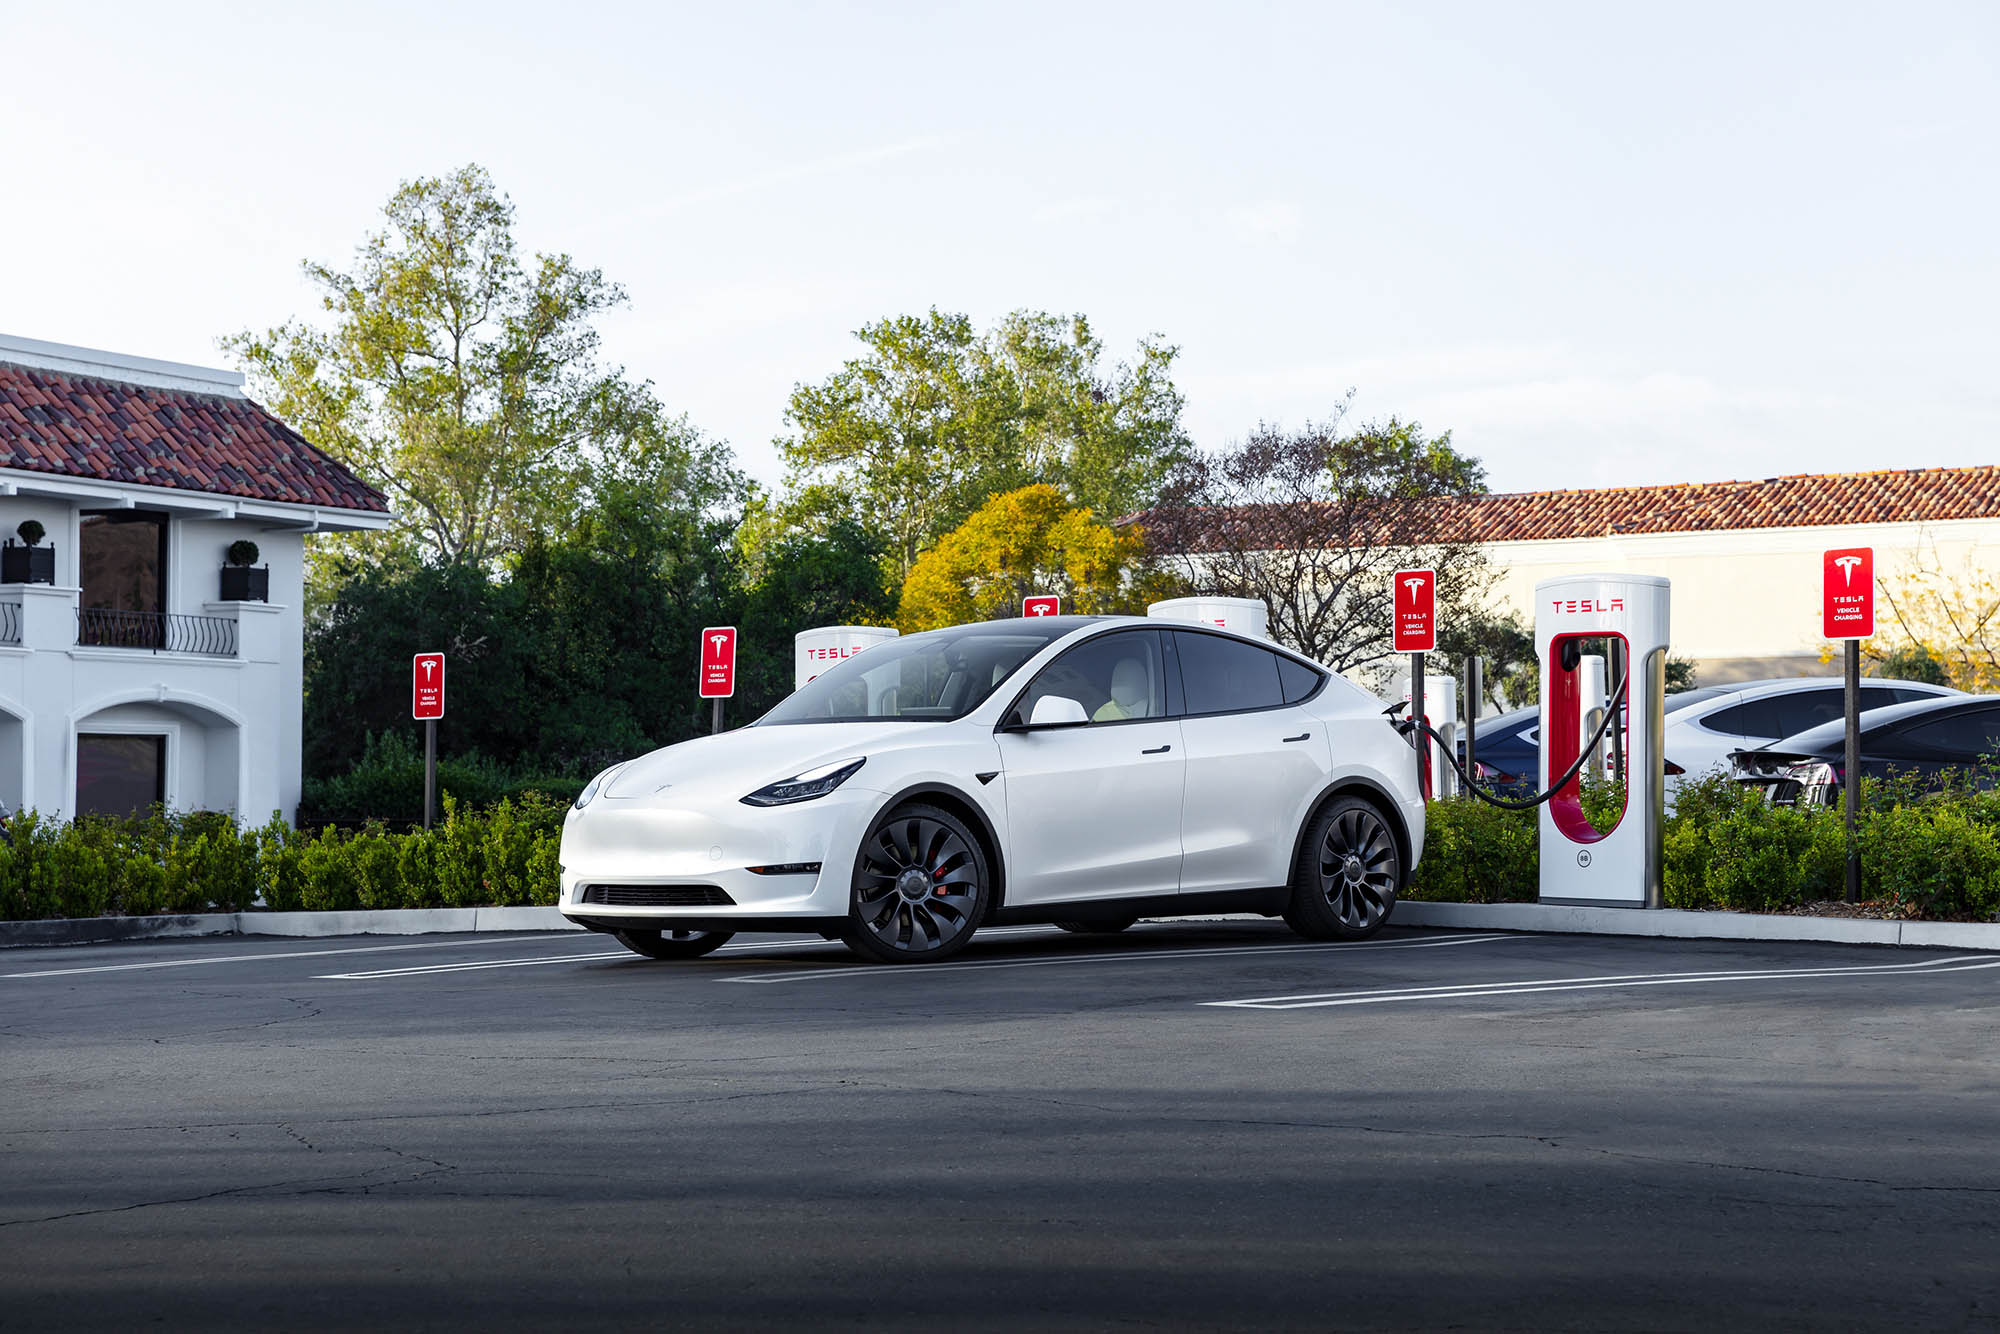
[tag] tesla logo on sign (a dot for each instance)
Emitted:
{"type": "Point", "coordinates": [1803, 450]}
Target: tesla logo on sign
{"type": "Point", "coordinates": [1415, 611]}
{"type": "Point", "coordinates": [718, 662]}
{"type": "Point", "coordinates": [1847, 594]}
{"type": "Point", "coordinates": [427, 686]}
{"type": "Point", "coordinates": [1042, 604]}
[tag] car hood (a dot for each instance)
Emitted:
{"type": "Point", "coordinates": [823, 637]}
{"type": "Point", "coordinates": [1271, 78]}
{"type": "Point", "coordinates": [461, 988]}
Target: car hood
{"type": "Point", "coordinates": [735, 764]}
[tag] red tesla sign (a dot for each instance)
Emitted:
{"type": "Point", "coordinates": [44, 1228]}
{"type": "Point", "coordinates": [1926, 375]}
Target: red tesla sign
{"type": "Point", "coordinates": [718, 662]}
{"type": "Point", "coordinates": [1415, 611]}
{"type": "Point", "coordinates": [427, 686]}
{"type": "Point", "coordinates": [1042, 604]}
{"type": "Point", "coordinates": [1847, 593]}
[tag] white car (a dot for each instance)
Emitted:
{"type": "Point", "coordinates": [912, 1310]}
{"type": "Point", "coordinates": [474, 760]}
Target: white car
{"type": "Point", "coordinates": [1085, 771]}
{"type": "Point", "coordinates": [1705, 725]}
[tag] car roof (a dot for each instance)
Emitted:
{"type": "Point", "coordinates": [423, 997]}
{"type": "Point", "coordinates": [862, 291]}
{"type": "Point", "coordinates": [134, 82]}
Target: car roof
{"type": "Point", "coordinates": [1828, 737]}
{"type": "Point", "coordinates": [1782, 685]}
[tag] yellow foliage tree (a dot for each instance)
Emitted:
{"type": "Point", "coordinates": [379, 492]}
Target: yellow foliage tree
{"type": "Point", "coordinates": [1935, 623]}
{"type": "Point", "coordinates": [1024, 542]}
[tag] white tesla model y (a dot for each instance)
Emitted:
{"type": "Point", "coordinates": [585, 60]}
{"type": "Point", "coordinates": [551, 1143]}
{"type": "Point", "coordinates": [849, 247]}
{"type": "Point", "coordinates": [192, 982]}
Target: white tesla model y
{"type": "Point", "coordinates": [1085, 771]}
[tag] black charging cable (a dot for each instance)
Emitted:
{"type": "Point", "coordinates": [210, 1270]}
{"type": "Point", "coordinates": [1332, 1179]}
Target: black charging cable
{"type": "Point", "coordinates": [1408, 725]}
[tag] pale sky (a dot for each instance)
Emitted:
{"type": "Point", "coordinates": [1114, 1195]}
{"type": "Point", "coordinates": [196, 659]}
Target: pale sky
{"type": "Point", "coordinates": [1599, 243]}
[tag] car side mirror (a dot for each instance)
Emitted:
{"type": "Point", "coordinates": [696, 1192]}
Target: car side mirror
{"type": "Point", "coordinates": [1057, 711]}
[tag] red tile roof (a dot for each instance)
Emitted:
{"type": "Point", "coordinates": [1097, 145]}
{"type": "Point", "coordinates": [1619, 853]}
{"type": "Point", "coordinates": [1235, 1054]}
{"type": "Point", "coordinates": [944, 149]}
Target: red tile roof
{"type": "Point", "coordinates": [1804, 500]}
{"type": "Point", "coordinates": [110, 431]}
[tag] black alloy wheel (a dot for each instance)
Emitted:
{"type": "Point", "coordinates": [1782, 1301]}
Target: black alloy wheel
{"type": "Point", "coordinates": [1349, 869]}
{"type": "Point", "coordinates": [920, 888]}
{"type": "Point", "coordinates": [672, 944]}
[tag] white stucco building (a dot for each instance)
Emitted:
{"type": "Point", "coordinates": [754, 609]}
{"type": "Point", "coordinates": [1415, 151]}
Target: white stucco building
{"type": "Point", "coordinates": [126, 674]}
{"type": "Point", "coordinates": [1743, 557]}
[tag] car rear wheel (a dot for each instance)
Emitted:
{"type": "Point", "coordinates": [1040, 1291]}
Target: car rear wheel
{"type": "Point", "coordinates": [1344, 885]}
{"type": "Point", "coordinates": [672, 944]}
{"type": "Point", "coordinates": [1108, 926]}
{"type": "Point", "coordinates": [921, 885]}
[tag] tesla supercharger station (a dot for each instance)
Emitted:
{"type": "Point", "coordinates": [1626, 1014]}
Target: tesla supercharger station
{"type": "Point", "coordinates": [813, 651]}
{"type": "Point", "coordinates": [1441, 712]}
{"type": "Point", "coordinates": [1581, 865]}
{"type": "Point", "coordinates": [1247, 616]}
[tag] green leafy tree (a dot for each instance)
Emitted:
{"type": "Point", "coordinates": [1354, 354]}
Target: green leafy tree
{"type": "Point", "coordinates": [459, 378]}
{"type": "Point", "coordinates": [934, 418]}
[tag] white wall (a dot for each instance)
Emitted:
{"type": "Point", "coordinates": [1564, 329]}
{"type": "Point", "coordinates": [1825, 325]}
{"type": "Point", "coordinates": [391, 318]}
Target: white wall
{"type": "Point", "coordinates": [233, 723]}
{"type": "Point", "coordinates": [1744, 602]}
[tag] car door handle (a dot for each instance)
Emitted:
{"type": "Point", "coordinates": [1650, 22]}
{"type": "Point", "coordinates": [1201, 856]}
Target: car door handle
{"type": "Point", "coordinates": [1303, 736]}
{"type": "Point", "coordinates": [1157, 750]}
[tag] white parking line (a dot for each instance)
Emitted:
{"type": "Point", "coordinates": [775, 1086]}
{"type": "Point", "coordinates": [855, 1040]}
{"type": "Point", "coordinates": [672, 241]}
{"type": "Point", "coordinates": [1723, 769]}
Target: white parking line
{"type": "Point", "coordinates": [929, 970]}
{"type": "Point", "coordinates": [475, 965]}
{"type": "Point", "coordinates": [1470, 990]}
{"type": "Point", "coordinates": [276, 954]}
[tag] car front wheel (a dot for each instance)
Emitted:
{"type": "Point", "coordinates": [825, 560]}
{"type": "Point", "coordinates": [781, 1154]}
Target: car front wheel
{"type": "Point", "coordinates": [673, 944]}
{"type": "Point", "coordinates": [1344, 885]}
{"type": "Point", "coordinates": [921, 885]}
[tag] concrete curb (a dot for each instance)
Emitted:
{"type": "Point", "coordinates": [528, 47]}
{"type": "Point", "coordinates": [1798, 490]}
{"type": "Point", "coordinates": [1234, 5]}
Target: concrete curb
{"type": "Point", "coordinates": [1681, 925]}
{"type": "Point", "coordinates": [384, 922]}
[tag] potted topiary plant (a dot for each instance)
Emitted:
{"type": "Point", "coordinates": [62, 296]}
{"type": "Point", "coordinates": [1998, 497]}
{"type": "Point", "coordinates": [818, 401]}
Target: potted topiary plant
{"type": "Point", "coordinates": [32, 563]}
{"type": "Point", "coordinates": [240, 583]}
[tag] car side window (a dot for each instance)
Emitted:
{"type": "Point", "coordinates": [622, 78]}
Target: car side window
{"type": "Point", "coordinates": [1809, 708]}
{"type": "Point", "coordinates": [1297, 680]}
{"type": "Point", "coordinates": [1965, 737]}
{"type": "Point", "coordinates": [1116, 677]}
{"type": "Point", "coordinates": [1226, 675]}
{"type": "Point", "coordinates": [1758, 718]}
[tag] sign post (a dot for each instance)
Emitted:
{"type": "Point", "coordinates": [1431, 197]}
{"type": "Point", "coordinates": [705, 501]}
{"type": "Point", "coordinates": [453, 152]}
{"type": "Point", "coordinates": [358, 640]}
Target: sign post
{"type": "Point", "coordinates": [1042, 604]}
{"type": "Point", "coordinates": [1414, 601]}
{"type": "Point", "coordinates": [718, 668]}
{"type": "Point", "coordinates": [1847, 612]}
{"type": "Point", "coordinates": [427, 706]}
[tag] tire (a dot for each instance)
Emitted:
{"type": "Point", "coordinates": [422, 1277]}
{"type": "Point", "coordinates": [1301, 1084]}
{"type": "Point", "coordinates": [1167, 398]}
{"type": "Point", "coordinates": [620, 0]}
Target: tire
{"type": "Point", "coordinates": [1108, 926]}
{"type": "Point", "coordinates": [1349, 869]}
{"type": "Point", "coordinates": [921, 887]}
{"type": "Point", "coordinates": [672, 944]}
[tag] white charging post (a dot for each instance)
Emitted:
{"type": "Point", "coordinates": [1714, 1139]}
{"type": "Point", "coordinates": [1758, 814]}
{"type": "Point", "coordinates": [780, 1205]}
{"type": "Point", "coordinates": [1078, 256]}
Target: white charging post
{"type": "Point", "coordinates": [1247, 616]}
{"type": "Point", "coordinates": [1441, 712]}
{"type": "Point", "coordinates": [813, 651]}
{"type": "Point", "coordinates": [1619, 867]}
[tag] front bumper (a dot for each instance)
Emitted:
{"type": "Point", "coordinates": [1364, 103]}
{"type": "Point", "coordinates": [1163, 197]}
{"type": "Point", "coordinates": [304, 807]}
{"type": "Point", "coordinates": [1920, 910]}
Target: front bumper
{"type": "Point", "coordinates": [642, 845]}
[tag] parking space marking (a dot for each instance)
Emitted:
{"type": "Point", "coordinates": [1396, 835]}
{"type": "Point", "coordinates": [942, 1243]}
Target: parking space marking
{"type": "Point", "coordinates": [927, 970]}
{"type": "Point", "coordinates": [476, 965]}
{"type": "Point", "coordinates": [257, 958]}
{"type": "Point", "coordinates": [1471, 990]}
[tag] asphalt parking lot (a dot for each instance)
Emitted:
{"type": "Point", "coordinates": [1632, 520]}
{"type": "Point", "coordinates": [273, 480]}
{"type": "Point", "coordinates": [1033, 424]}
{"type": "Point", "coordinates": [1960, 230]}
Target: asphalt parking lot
{"type": "Point", "coordinates": [1192, 1124]}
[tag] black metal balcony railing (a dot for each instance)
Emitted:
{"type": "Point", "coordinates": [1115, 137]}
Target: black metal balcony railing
{"type": "Point", "coordinates": [156, 631]}
{"type": "Point", "coordinates": [10, 623]}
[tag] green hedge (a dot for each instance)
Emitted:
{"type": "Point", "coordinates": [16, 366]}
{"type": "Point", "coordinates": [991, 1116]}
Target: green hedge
{"type": "Point", "coordinates": [202, 862]}
{"type": "Point", "coordinates": [387, 784]}
{"type": "Point", "coordinates": [1932, 854]}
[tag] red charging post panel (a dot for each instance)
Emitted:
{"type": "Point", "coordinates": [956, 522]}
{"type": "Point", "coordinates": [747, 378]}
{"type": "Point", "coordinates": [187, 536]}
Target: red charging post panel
{"type": "Point", "coordinates": [718, 662]}
{"type": "Point", "coordinates": [1847, 599]}
{"type": "Point", "coordinates": [427, 686]}
{"type": "Point", "coordinates": [1415, 611]}
{"type": "Point", "coordinates": [1042, 604]}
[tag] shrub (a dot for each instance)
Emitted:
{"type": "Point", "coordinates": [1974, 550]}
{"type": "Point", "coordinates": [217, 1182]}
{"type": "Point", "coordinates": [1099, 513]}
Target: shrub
{"type": "Point", "coordinates": [241, 552]}
{"type": "Point", "coordinates": [30, 531]}
{"type": "Point", "coordinates": [387, 784]}
{"type": "Point", "coordinates": [1476, 853]}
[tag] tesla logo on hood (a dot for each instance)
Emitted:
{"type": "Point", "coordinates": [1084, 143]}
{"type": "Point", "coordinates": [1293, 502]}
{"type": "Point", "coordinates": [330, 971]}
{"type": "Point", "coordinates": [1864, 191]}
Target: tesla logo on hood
{"type": "Point", "coordinates": [661, 788]}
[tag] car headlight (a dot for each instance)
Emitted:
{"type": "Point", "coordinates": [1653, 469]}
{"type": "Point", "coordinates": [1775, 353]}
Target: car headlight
{"type": "Point", "coordinates": [804, 787]}
{"type": "Point", "coordinates": [590, 789]}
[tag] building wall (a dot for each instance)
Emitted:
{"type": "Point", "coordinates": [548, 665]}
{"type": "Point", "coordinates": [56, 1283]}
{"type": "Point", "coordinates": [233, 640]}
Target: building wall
{"type": "Point", "coordinates": [233, 723]}
{"type": "Point", "coordinates": [1745, 603]}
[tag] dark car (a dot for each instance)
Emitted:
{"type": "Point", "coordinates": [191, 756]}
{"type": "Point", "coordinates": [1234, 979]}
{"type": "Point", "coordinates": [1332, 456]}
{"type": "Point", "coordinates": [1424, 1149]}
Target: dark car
{"type": "Point", "coordinates": [1928, 739]}
{"type": "Point", "coordinates": [1509, 747]}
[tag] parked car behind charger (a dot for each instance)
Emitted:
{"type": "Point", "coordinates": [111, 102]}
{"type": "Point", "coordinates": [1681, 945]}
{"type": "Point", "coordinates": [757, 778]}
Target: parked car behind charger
{"type": "Point", "coordinates": [1929, 739]}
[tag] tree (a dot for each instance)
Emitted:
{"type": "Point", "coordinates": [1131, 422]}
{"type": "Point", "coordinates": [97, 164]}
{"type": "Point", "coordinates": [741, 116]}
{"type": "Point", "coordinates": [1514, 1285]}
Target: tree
{"type": "Point", "coordinates": [935, 418]}
{"type": "Point", "coordinates": [1942, 624]}
{"type": "Point", "coordinates": [458, 379]}
{"type": "Point", "coordinates": [1025, 541]}
{"type": "Point", "coordinates": [1314, 522]}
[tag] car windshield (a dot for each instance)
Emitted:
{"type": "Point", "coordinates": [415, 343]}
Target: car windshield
{"type": "Point", "coordinates": [931, 677]}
